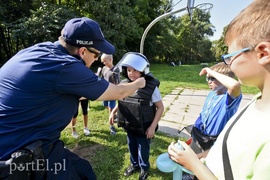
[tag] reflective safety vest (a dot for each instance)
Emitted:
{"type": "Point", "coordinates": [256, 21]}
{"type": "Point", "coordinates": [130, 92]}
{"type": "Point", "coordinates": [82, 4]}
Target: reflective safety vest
{"type": "Point", "coordinates": [134, 112]}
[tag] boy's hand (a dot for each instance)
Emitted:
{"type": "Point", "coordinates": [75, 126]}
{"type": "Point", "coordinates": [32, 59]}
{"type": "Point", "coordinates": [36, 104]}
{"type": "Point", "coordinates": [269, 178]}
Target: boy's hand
{"type": "Point", "coordinates": [205, 71]}
{"type": "Point", "coordinates": [150, 133]}
{"type": "Point", "coordinates": [111, 118]}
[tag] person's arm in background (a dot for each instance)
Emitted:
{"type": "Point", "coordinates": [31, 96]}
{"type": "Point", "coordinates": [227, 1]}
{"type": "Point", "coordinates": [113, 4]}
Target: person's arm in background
{"type": "Point", "coordinates": [99, 70]}
{"type": "Point", "coordinates": [190, 160]}
{"type": "Point", "coordinates": [120, 91]}
{"type": "Point", "coordinates": [233, 86]}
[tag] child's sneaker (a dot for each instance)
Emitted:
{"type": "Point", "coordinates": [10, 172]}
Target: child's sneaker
{"type": "Point", "coordinates": [75, 134]}
{"type": "Point", "coordinates": [112, 129]}
{"type": "Point", "coordinates": [86, 131]}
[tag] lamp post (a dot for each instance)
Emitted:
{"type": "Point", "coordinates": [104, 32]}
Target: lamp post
{"type": "Point", "coordinates": [154, 22]}
{"type": "Point", "coordinates": [190, 6]}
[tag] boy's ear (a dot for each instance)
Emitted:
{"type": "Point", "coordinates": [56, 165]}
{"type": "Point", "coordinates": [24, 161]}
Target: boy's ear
{"type": "Point", "coordinates": [263, 52]}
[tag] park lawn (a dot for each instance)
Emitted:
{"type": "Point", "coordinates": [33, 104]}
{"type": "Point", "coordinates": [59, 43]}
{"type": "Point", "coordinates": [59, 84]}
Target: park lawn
{"type": "Point", "coordinates": [108, 154]}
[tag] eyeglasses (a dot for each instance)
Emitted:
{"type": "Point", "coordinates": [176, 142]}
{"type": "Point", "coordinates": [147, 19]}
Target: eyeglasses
{"type": "Point", "coordinates": [227, 58]}
{"type": "Point", "coordinates": [97, 54]}
{"type": "Point", "coordinates": [210, 79]}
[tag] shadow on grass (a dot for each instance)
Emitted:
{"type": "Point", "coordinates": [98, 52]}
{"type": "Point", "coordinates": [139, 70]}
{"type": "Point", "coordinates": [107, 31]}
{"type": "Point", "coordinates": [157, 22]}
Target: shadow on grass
{"type": "Point", "coordinates": [109, 156]}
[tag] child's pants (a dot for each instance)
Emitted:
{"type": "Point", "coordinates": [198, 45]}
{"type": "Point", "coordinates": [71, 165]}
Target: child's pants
{"type": "Point", "coordinates": [139, 148]}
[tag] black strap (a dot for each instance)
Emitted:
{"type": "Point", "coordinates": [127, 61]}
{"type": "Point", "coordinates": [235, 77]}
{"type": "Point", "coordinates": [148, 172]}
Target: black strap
{"type": "Point", "coordinates": [226, 161]}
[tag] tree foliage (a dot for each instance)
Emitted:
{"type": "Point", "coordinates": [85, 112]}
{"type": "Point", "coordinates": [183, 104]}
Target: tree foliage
{"type": "Point", "coordinates": [24, 23]}
{"type": "Point", "coordinates": [192, 36]}
{"type": "Point", "coordinates": [219, 48]}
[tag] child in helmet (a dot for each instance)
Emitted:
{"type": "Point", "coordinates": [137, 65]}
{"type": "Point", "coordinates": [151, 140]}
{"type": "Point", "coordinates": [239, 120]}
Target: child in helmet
{"type": "Point", "coordinates": [139, 113]}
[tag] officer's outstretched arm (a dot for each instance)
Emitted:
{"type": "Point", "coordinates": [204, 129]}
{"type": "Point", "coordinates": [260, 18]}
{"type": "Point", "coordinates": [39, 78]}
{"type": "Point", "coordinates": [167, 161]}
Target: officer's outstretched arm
{"type": "Point", "coordinates": [120, 91]}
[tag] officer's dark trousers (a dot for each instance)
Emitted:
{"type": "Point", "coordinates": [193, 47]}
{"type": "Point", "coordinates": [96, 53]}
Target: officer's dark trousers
{"type": "Point", "coordinates": [63, 164]}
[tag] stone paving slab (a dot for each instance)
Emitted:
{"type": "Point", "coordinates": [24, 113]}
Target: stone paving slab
{"type": "Point", "coordinates": [182, 107]}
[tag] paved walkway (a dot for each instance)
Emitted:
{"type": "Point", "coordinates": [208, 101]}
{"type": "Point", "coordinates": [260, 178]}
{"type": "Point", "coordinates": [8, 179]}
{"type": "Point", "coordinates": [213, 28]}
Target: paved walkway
{"type": "Point", "coordinates": [182, 107]}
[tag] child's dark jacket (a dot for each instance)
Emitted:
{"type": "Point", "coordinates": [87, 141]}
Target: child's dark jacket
{"type": "Point", "coordinates": [135, 114]}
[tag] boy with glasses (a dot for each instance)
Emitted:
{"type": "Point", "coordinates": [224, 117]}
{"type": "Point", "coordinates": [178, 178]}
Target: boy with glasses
{"type": "Point", "coordinates": [242, 149]}
{"type": "Point", "coordinates": [220, 105]}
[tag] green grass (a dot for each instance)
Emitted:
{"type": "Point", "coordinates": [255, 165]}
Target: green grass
{"type": "Point", "coordinates": [108, 154]}
{"type": "Point", "coordinates": [186, 76]}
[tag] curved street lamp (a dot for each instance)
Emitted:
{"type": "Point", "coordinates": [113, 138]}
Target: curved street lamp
{"type": "Point", "coordinates": [189, 8]}
{"type": "Point", "coordinates": [154, 22]}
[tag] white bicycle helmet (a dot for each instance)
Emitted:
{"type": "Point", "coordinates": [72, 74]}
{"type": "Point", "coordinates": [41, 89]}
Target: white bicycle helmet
{"type": "Point", "coordinates": [135, 60]}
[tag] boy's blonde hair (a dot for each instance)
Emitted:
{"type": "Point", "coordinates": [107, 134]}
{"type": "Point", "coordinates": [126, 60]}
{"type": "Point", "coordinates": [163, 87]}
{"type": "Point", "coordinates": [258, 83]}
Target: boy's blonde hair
{"type": "Point", "coordinates": [251, 26]}
{"type": "Point", "coordinates": [223, 69]}
{"type": "Point", "coordinates": [106, 56]}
